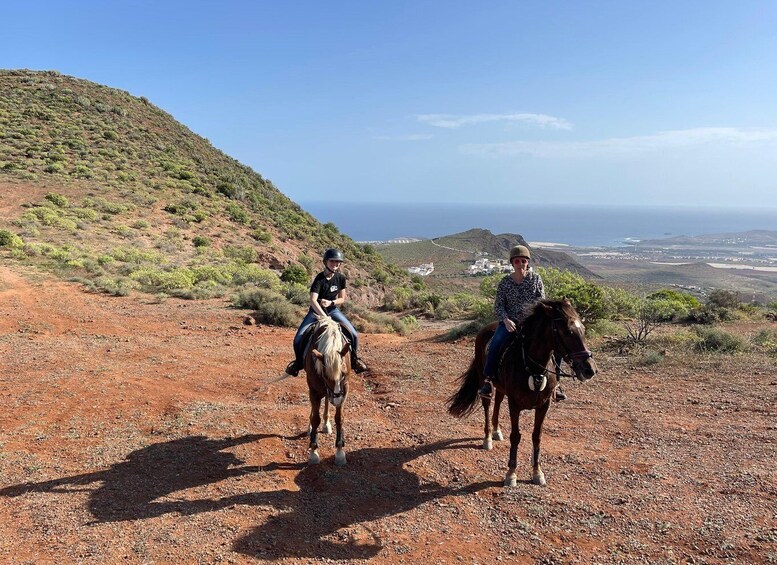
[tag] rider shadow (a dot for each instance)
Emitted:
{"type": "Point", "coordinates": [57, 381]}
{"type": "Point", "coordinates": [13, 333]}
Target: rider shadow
{"type": "Point", "coordinates": [131, 489]}
{"type": "Point", "coordinates": [309, 522]}
{"type": "Point", "coordinates": [328, 517]}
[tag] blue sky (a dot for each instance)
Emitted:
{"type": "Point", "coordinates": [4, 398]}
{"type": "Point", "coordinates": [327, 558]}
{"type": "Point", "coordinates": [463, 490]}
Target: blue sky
{"type": "Point", "coordinates": [597, 102]}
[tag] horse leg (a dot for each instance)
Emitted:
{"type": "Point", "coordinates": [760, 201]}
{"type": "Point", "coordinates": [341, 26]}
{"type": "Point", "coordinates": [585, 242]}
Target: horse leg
{"type": "Point", "coordinates": [497, 433]}
{"type": "Point", "coordinates": [538, 477]}
{"type": "Point", "coordinates": [327, 429]}
{"type": "Point", "coordinates": [488, 445]}
{"type": "Point", "coordinates": [515, 438]}
{"type": "Point", "coordinates": [340, 438]}
{"type": "Point", "coordinates": [315, 420]}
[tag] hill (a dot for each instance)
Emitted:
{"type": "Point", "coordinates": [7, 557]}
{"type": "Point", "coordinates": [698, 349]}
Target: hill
{"type": "Point", "coordinates": [452, 254]}
{"type": "Point", "coordinates": [104, 186]}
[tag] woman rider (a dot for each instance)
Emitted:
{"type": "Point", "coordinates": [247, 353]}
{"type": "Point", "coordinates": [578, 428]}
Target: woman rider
{"type": "Point", "coordinates": [514, 294]}
{"type": "Point", "coordinates": [326, 293]}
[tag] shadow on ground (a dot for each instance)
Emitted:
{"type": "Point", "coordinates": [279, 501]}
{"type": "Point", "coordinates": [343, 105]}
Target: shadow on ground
{"type": "Point", "coordinates": [327, 517]}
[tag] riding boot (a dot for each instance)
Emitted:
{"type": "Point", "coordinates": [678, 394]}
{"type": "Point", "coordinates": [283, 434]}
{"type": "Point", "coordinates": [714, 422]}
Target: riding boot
{"type": "Point", "coordinates": [293, 368]}
{"type": "Point", "coordinates": [487, 390]}
{"type": "Point", "coordinates": [358, 365]}
{"type": "Point", "coordinates": [559, 394]}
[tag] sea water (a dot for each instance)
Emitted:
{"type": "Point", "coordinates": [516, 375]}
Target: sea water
{"type": "Point", "coordinates": [579, 226]}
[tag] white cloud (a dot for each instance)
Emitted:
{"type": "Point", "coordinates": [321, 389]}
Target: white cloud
{"type": "Point", "coordinates": [409, 137]}
{"type": "Point", "coordinates": [450, 121]}
{"type": "Point", "coordinates": [674, 139]}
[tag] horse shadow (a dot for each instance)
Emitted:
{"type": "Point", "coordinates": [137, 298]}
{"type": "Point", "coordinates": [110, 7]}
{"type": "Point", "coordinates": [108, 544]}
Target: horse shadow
{"type": "Point", "coordinates": [312, 521]}
{"type": "Point", "coordinates": [132, 489]}
{"type": "Point", "coordinates": [329, 516]}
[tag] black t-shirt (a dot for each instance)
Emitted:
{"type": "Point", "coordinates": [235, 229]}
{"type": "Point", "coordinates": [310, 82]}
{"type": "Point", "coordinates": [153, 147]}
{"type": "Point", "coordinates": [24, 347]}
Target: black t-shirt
{"type": "Point", "coordinates": [328, 289]}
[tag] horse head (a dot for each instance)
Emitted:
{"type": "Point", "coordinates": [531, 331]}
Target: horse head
{"type": "Point", "coordinates": [569, 338]}
{"type": "Point", "coordinates": [331, 359]}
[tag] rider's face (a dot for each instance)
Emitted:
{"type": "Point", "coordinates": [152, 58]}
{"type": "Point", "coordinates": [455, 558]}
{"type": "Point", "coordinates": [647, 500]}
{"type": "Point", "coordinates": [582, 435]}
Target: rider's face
{"type": "Point", "coordinates": [333, 265]}
{"type": "Point", "coordinates": [520, 264]}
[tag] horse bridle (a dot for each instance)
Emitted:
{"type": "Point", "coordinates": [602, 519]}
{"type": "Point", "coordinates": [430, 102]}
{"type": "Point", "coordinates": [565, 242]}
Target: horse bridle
{"type": "Point", "coordinates": [570, 358]}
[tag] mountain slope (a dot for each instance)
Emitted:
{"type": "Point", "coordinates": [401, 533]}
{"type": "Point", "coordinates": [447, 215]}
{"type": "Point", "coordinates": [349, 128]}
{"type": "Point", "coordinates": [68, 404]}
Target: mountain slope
{"type": "Point", "coordinates": [452, 254]}
{"type": "Point", "coordinates": [127, 185]}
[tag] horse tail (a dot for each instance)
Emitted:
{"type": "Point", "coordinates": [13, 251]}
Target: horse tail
{"type": "Point", "coordinates": [462, 402]}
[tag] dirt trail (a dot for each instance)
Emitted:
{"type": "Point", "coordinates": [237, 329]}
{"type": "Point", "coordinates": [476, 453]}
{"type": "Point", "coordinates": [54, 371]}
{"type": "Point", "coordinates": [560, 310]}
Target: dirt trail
{"type": "Point", "coordinates": [144, 432]}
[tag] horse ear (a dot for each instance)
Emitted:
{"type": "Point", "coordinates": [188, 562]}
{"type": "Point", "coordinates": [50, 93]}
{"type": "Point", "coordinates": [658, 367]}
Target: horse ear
{"type": "Point", "coordinates": [345, 349]}
{"type": "Point", "coordinates": [548, 310]}
{"type": "Point", "coordinates": [566, 300]}
{"type": "Point", "coordinates": [317, 354]}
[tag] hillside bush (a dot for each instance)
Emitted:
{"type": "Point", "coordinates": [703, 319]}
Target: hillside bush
{"type": "Point", "coordinates": [766, 338]}
{"type": "Point", "coordinates": [10, 240]}
{"type": "Point", "coordinates": [242, 253]}
{"type": "Point", "coordinates": [59, 200]}
{"type": "Point", "coordinates": [152, 279]}
{"type": "Point", "coordinates": [589, 299]}
{"type": "Point", "coordinates": [297, 294]}
{"type": "Point", "coordinates": [718, 340]}
{"type": "Point", "coordinates": [671, 305]}
{"type": "Point", "coordinates": [200, 241]}
{"type": "Point", "coordinates": [295, 274]}
{"type": "Point", "coordinates": [269, 306]}
{"type": "Point", "coordinates": [724, 298]}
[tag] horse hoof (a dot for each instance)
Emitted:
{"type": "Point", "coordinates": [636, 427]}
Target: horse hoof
{"type": "Point", "coordinates": [497, 435]}
{"type": "Point", "coordinates": [327, 429]}
{"type": "Point", "coordinates": [488, 444]}
{"type": "Point", "coordinates": [313, 458]}
{"type": "Point", "coordinates": [340, 457]}
{"type": "Point", "coordinates": [539, 479]}
{"type": "Point", "coordinates": [511, 481]}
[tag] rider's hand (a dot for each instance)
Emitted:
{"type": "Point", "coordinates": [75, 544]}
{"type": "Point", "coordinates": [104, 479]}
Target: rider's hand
{"type": "Point", "coordinates": [509, 324]}
{"type": "Point", "coordinates": [325, 303]}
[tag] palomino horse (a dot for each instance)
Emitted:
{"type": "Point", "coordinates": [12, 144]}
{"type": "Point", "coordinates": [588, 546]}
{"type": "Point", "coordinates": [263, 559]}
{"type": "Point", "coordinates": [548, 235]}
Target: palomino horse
{"type": "Point", "coordinates": [524, 377]}
{"type": "Point", "coordinates": [327, 364]}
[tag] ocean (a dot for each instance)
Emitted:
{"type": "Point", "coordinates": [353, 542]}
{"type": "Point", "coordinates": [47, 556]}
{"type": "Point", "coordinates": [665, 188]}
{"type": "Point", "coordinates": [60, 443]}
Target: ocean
{"type": "Point", "coordinates": [579, 226]}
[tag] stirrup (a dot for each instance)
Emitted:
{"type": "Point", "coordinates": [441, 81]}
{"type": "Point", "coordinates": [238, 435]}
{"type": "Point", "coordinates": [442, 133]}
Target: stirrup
{"type": "Point", "coordinates": [293, 369]}
{"type": "Point", "coordinates": [358, 366]}
{"type": "Point", "coordinates": [559, 394]}
{"type": "Point", "coordinates": [486, 392]}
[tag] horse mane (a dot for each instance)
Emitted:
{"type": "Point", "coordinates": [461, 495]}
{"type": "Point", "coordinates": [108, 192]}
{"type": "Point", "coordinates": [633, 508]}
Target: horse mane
{"type": "Point", "coordinates": [538, 311]}
{"type": "Point", "coordinates": [329, 343]}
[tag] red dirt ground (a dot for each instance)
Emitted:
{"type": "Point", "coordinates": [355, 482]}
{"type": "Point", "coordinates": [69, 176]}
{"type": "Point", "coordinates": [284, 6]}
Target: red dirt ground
{"type": "Point", "coordinates": [138, 431]}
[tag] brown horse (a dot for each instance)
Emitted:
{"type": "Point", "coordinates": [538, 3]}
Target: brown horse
{"type": "Point", "coordinates": [552, 327]}
{"type": "Point", "coordinates": [327, 364]}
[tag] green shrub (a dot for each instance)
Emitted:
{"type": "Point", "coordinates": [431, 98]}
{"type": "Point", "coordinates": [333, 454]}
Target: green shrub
{"type": "Point", "coordinates": [59, 200]}
{"type": "Point", "coordinates": [718, 340]}
{"type": "Point", "coordinates": [650, 357]}
{"type": "Point", "coordinates": [253, 274]}
{"type": "Point", "coordinates": [236, 213]}
{"type": "Point", "coordinates": [297, 294]}
{"type": "Point", "coordinates": [241, 253]}
{"type": "Point", "coordinates": [381, 276]}
{"type": "Point", "coordinates": [200, 241]}
{"type": "Point", "coordinates": [724, 298]}
{"type": "Point", "coordinates": [261, 235]}
{"type": "Point", "coordinates": [295, 274]}
{"type": "Point", "coordinates": [11, 240]}
{"type": "Point", "coordinates": [589, 299]}
{"type": "Point", "coordinates": [153, 279]}
{"type": "Point", "coordinates": [766, 338]}
{"type": "Point", "coordinates": [270, 307]}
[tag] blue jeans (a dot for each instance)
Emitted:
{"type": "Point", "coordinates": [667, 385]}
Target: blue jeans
{"type": "Point", "coordinates": [495, 349]}
{"type": "Point", "coordinates": [310, 319]}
